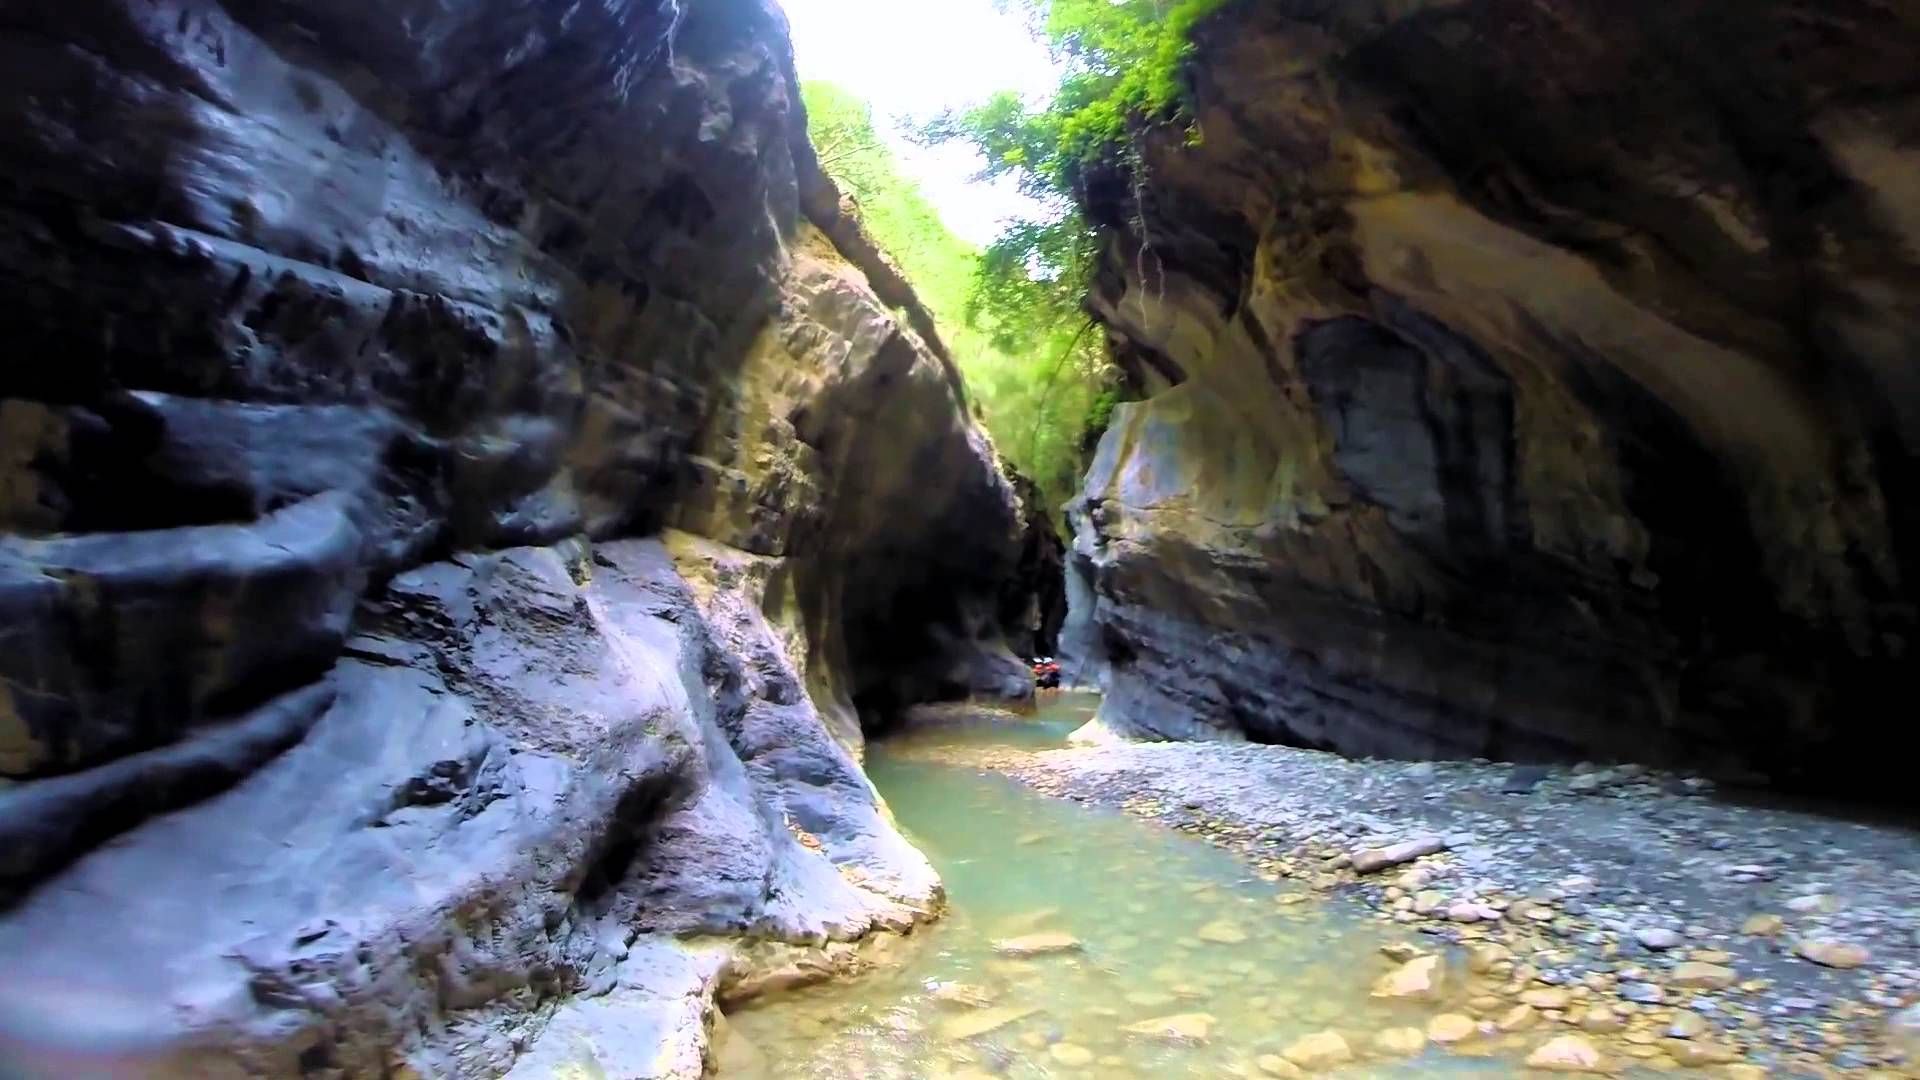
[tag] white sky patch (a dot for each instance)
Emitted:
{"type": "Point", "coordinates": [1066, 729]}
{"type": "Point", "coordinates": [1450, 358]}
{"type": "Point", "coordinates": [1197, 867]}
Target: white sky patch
{"type": "Point", "coordinates": [913, 58]}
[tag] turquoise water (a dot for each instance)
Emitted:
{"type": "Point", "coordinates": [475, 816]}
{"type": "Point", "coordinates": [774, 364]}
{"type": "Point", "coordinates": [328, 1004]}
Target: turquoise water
{"type": "Point", "coordinates": [1164, 926]}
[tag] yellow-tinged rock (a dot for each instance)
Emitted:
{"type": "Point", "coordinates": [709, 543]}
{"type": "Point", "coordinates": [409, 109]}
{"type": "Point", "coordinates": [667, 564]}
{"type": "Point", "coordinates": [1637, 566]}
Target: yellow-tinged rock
{"type": "Point", "coordinates": [1844, 955]}
{"type": "Point", "coordinates": [1743, 1071]}
{"type": "Point", "coordinates": [1482, 958]}
{"type": "Point", "coordinates": [1601, 1021]}
{"type": "Point", "coordinates": [1222, 932]}
{"type": "Point", "coordinates": [965, 995]}
{"type": "Point", "coordinates": [1071, 1055]}
{"type": "Point", "coordinates": [1451, 1028]}
{"type": "Point", "coordinates": [1698, 1053]}
{"type": "Point", "coordinates": [1320, 1050]}
{"type": "Point", "coordinates": [1687, 1025]}
{"type": "Point", "coordinates": [1568, 1053]}
{"type": "Point", "coordinates": [1400, 1042]}
{"type": "Point", "coordinates": [981, 1021]}
{"type": "Point", "coordinates": [1518, 1018]}
{"type": "Point", "coordinates": [1037, 945]}
{"type": "Point", "coordinates": [1275, 1065]}
{"type": "Point", "coordinates": [1416, 979]}
{"type": "Point", "coordinates": [1763, 925]}
{"type": "Point", "coordinates": [1550, 997]}
{"type": "Point", "coordinates": [1696, 975]}
{"type": "Point", "coordinates": [1180, 1027]}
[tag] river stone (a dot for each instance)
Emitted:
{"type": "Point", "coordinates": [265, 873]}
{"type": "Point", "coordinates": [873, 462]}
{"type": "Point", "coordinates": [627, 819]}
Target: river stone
{"type": "Point", "coordinates": [1844, 955]}
{"type": "Point", "coordinates": [963, 994]}
{"type": "Point", "coordinates": [1373, 860]}
{"type": "Point", "coordinates": [1643, 993]}
{"type": "Point", "coordinates": [1568, 1053]}
{"type": "Point", "coordinates": [1699, 1053]}
{"type": "Point", "coordinates": [1222, 932]}
{"type": "Point", "coordinates": [1400, 1042]}
{"type": "Point", "coordinates": [982, 1021]}
{"type": "Point", "coordinates": [1687, 1025]}
{"type": "Point", "coordinates": [1518, 1018]}
{"type": "Point", "coordinates": [1047, 944]}
{"type": "Point", "coordinates": [1451, 1028]}
{"type": "Point", "coordinates": [1696, 975]}
{"type": "Point", "coordinates": [1071, 1055]}
{"type": "Point", "coordinates": [1657, 938]}
{"type": "Point", "coordinates": [1903, 1030]}
{"type": "Point", "coordinates": [1601, 1020]}
{"type": "Point", "coordinates": [1419, 978]}
{"type": "Point", "coordinates": [1180, 1027]}
{"type": "Point", "coordinates": [1275, 1065]}
{"type": "Point", "coordinates": [1546, 998]}
{"type": "Point", "coordinates": [1762, 925]}
{"type": "Point", "coordinates": [1320, 1050]}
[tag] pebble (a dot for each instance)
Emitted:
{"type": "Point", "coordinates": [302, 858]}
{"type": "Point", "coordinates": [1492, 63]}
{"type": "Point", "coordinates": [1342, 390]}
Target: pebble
{"type": "Point", "coordinates": [963, 994]}
{"type": "Point", "coordinates": [1568, 1053]}
{"type": "Point", "coordinates": [1546, 999]}
{"type": "Point", "coordinates": [1834, 954]}
{"type": "Point", "coordinates": [1275, 1065]}
{"type": "Point", "coordinates": [1451, 1028]}
{"type": "Point", "coordinates": [1373, 860]}
{"type": "Point", "coordinates": [1071, 1055]}
{"type": "Point", "coordinates": [1693, 973]}
{"type": "Point", "coordinates": [1643, 993]}
{"type": "Point", "coordinates": [983, 1021]}
{"type": "Point", "coordinates": [1518, 1018]}
{"type": "Point", "coordinates": [1222, 932]}
{"type": "Point", "coordinates": [1418, 978]}
{"type": "Point", "coordinates": [1320, 1050]}
{"type": "Point", "coordinates": [1657, 938]}
{"type": "Point", "coordinates": [1695, 1053]}
{"type": "Point", "coordinates": [1400, 1042]}
{"type": "Point", "coordinates": [1181, 1027]}
{"type": "Point", "coordinates": [1037, 945]}
{"type": "Point", "coordinates": [1687, 1025]}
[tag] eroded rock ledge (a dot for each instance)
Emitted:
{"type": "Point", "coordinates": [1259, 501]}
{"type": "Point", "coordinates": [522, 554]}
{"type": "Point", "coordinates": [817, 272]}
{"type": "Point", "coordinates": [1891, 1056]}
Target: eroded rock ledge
{"type": "Point", "coordinates": [1522, 380]}
{"type": "Point", "coordinates": [461, 470]}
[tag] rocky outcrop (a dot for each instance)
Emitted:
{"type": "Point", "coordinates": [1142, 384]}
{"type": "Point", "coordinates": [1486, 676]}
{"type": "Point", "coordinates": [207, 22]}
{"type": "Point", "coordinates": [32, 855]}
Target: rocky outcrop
{"type": "Point", "coordinates": [461, 474]}
{"type": "Point", "coordinates": [1520, 379]}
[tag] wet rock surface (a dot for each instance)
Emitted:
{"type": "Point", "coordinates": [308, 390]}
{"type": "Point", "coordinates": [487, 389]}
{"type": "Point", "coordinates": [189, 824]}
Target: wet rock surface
{"type": "Point", "coordinates": [465, 468]}
{"type": "Point", "coordinates": [1567, 885]}
{"type": "Point", "coordinates": [1517, 380]}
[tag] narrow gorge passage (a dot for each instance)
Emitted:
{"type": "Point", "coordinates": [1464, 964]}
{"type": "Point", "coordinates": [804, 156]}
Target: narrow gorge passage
{"type": "Point", "coordinates": [537, 539]}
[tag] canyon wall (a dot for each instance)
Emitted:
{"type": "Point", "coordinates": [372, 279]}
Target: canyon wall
{"type": "Point", "coordinates": [462, 469]}
{"type": "Point", "coordinates": [1521, 379]}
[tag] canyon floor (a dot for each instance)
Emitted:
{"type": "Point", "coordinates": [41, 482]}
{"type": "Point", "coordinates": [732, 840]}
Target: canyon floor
{"type": "Point", "coordinates": [1591, 918]}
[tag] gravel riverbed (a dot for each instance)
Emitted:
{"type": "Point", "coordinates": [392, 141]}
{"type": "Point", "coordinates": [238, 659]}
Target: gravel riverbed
{"type": "Point", "coordinates": [1668, 923]}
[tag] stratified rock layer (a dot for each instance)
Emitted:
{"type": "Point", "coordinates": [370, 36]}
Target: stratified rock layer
{"type": "Point", "coordinates": [1521, 379]}
{"type": "Point", "coordinates": [460, 469]}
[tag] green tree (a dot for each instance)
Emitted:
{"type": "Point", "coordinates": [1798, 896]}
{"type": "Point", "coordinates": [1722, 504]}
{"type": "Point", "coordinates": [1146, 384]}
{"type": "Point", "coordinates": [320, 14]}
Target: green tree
{"type": "Point", "coordinates": [1029, 355]}
{"type": "Point", "coordinates": [1121, 63]}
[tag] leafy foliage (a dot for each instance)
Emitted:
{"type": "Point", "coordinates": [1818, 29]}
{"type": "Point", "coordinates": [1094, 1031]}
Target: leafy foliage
{"type": "Point", "coordinates": [1014, 312]}
{"type": "Point", "coordinates": [1034, 374]}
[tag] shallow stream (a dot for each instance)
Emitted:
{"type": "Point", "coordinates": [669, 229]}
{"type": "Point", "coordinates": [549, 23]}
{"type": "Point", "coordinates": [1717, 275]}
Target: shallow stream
{"type": "Point", "coordinates": [1163, 925]}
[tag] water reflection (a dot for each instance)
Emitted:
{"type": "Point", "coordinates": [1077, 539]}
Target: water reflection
{"type": "Point", "coordinates": [1080, 943]}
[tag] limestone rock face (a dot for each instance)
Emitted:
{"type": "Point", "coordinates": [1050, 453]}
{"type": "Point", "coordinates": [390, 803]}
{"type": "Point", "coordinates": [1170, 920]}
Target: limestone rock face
{"type": "Point", "coordinates": [1520, 380]}
{"type": "Point", "coordinates": [461, 468]}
